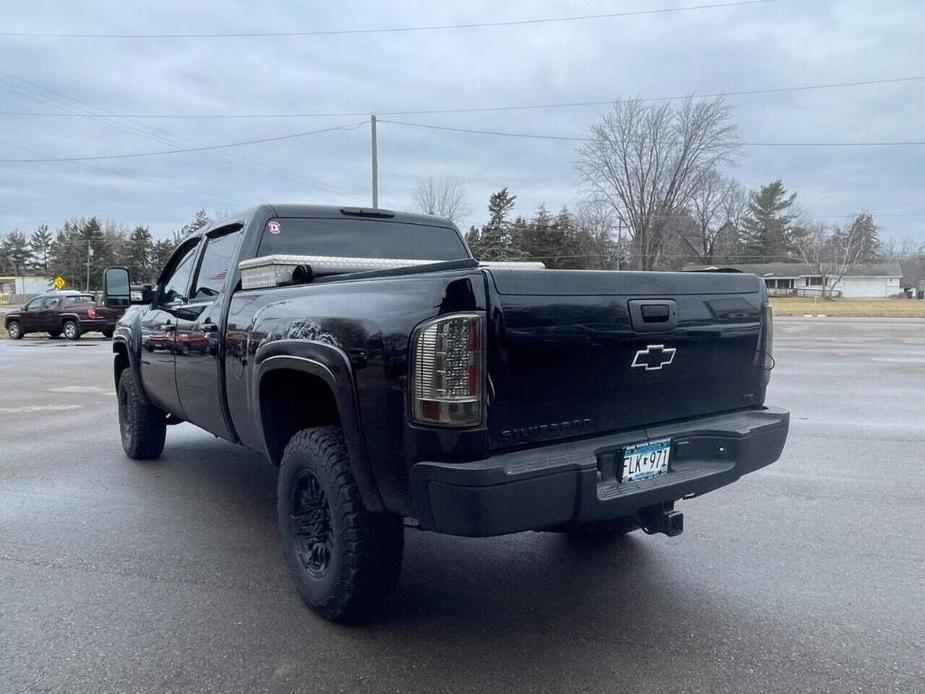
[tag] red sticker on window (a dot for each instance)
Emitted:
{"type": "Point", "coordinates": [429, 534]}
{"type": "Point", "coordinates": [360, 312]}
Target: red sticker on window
{"type": "Point", "coordinates": [274, 227]}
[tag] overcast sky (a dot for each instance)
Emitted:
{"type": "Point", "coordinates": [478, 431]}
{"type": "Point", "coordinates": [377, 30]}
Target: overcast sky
{"type": "Point", "coordinates": [762, 46]}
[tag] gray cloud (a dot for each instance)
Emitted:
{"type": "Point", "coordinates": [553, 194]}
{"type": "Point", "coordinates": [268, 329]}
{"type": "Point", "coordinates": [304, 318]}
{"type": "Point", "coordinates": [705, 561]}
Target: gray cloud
{"type": "Point", "coordinates": [779, 44]}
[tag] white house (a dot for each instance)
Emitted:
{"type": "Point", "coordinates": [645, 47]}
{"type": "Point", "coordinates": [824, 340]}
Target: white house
{"type": "Point", "coordinates": [864, 280]}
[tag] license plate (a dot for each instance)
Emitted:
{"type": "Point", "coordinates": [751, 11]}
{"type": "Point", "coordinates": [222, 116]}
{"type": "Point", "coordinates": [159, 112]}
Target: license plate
{"type": "Point", "coordinates": [645, 460]}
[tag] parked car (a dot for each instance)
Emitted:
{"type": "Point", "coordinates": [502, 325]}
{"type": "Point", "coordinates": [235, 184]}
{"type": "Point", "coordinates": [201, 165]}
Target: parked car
{"type": "Point", "coordinates": [392, 376]}
{"type": "Point", "coordinates": [68, 313]}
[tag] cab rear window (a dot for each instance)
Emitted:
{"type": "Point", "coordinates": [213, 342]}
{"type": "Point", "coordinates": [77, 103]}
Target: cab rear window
{"type": "Point", "coordinates": [360, 238]}
{"type": "Point", "coordinates": [80, 299]}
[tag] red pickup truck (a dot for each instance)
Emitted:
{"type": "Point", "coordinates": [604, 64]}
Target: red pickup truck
{"type": "Point", "coordinates": [68, 313]}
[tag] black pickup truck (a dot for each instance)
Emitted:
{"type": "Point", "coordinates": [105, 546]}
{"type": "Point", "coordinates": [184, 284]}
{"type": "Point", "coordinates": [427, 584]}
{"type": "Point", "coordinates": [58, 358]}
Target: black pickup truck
{"type": "Point", "coordinates": [397, 381]}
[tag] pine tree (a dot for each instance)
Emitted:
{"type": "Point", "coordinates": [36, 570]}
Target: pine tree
{"type": "Point", "coordinates": [140, 246]}
{"type": "Point", "coordinates": [200, 220]}
{"type": "Point", "coordinates": [15, 253]}
{"type": "Point", "coordinates": [90, 233]}
{"type": "Point", "coordinates": [769, 234]}
{"type": "Point", "coordinates": [65, 256]}
{"type": "Point", "coordinates": [495, 240]}
{"type": "Point", "coordinates": [541, 238]}
{"type": "Point", "coordinates": [40, 244]}
{"type": "Point", "coordinates": [160, 254]}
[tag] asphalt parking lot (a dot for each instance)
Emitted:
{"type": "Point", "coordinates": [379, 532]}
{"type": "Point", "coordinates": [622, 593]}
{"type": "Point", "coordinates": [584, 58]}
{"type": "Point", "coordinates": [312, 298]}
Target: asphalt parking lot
{"type": "Point", "coordinates": [807, 576]}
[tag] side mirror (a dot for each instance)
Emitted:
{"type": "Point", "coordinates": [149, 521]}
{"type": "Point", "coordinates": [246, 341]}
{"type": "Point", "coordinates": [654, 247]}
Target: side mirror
{"type": "Point", "coordinates": [117, 288]}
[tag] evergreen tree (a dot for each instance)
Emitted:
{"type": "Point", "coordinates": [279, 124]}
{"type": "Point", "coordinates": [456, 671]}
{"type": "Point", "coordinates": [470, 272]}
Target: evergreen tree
{"type": "Point", "coordinates": [769, 233]}
{"type": "Point", "coordinates": [65, 257]}
{"type": "Point", "coordinates": [496, 238]}
{"type": "Point", "coordinates": [541, 238]}
{"type": "Point", "coordinates": [140, 246]}
{"type": "Point", "coordinates": [15, 253]}
{"type": "Point", "coordinates": [200, 220]}
{"type": "Point", "coordinates": [160, 254]}
{"type": "Point", "coordinates": [90, 235]}
{"type": "Point", "coordinates": [40, 244]}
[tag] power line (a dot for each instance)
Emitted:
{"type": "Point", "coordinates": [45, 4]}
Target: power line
{"type": "Point", "coordinates": [290, 136]}
{"type": "Point", "coordinates": [123, 174]}
{"type": "Point", "coordinates": [391, 30]}
{"type": "Point", "coordinates": [35, 91]}
{"type": "Point", "coordinates": [472, 109]}
{"type": "Point", "coordinates": [567, 138]}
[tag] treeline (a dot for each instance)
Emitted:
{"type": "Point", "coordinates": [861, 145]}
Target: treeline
{"type": "Point", "coordinates": [723, 224]}
{"type": "Point", "coordinates": [67, 251]}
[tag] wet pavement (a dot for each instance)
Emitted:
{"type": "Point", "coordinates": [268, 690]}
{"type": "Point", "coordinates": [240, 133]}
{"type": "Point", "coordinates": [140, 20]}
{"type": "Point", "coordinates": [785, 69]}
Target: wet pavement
{"type": "Point", "coordinates": [807, 576]}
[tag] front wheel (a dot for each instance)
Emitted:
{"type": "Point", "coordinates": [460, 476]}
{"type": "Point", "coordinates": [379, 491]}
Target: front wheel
{"type": "Point", "coordinates": [15, 330]}
{"type": "Point", "coordinates": [343, 558]}
{"type": "Point", "coordinates": [71, 330]}
{"type": "Point", "coordinates": [142, 425]}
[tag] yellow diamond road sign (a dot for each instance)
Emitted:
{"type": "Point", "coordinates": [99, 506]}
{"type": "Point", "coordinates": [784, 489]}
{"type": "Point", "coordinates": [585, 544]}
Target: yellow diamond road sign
{"type": "Point", "coordinates": [59, 282]}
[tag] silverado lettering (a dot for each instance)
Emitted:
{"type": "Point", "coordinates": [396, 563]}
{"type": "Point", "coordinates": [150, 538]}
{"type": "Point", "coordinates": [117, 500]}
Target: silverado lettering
{"type": "Point", "coordinates": [539, 430]}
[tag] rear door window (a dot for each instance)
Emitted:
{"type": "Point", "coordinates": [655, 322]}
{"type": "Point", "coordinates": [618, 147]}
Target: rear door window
{"type": "Point", "coordinates": [52, 302]}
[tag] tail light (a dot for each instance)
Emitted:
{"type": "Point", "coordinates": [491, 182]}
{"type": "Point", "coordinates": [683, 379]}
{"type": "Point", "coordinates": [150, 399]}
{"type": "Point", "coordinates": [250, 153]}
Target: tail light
{"type": "Point", "coordinates": [91, 312]}
{"type": "Point", "coordinates": [767, 341]}
{"type": "Point", "coordinates": [446, 379]}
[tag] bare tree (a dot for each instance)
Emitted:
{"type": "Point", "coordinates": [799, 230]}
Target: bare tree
{"type": "Point", "coordinates": [647, 161]}
{"type": "Point", "coordinates": [444, 197]}
{"type": "Point", "coordinates": [715, 215]}
{"type": "Point", "coordinates": [598, 228]}
{"type": "Point", "coordinates": [832, 252]}
{"type": "Point", "coordinates": [895, 250]}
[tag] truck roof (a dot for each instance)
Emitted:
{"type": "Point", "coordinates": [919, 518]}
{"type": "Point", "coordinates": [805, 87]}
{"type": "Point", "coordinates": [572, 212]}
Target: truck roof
{"type": "Point", "coordinates": [328, 212]}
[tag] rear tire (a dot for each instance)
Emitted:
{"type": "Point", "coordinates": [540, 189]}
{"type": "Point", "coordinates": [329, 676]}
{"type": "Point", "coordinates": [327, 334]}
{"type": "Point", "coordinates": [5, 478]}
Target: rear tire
{"type": "Point", "coordinates": [143, 426]}
{"type": "Point", "coordinates": [15, 330]}
{"type": "Point", "coordinates": [344, 559]}
{"type": "Point", "coordinates": [71, 330]}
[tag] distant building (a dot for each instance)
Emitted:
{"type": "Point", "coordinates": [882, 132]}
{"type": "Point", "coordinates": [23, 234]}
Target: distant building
{"type": "Point", "coordinates": [20, 286]}
{"type": "Point", "coordinates": [864, 280]}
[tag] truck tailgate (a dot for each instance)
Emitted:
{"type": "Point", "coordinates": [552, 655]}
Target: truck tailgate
{"type": "Point", "coordinates": [574, 353]}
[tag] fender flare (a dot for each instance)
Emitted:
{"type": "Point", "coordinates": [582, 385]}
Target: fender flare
{"type": "Point", "coordinates": [332, 366]}
{"type": "Point", "coordinates": [123, 338]}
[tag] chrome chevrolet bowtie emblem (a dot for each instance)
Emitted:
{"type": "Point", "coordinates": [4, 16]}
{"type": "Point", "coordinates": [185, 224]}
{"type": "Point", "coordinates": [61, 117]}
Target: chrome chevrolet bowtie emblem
{"type": "Point", "coordinates": [654, 357]}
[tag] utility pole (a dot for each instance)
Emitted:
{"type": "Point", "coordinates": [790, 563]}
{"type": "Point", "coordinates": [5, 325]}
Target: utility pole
{"type": "Point", "coordinates": [89, 255]}
{"type": "Point", "coordinates": [372, 122]}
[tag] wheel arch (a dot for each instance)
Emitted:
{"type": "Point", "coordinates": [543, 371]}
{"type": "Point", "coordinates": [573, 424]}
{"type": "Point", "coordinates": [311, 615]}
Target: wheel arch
{"type": "Point", "coordinates": [125, 358]}
{"type": "Point", "coordinates": [300, 384]}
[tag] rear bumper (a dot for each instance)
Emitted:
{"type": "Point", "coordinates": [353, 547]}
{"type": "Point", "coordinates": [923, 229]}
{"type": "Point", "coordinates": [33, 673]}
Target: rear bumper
{"type": "Point", "coordinates": [574, 483]}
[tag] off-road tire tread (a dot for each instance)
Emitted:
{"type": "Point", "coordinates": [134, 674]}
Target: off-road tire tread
{"type": "Point", "coordinates": [369, 545]}
{"type": "Point", "coordinates": [149, 423]}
